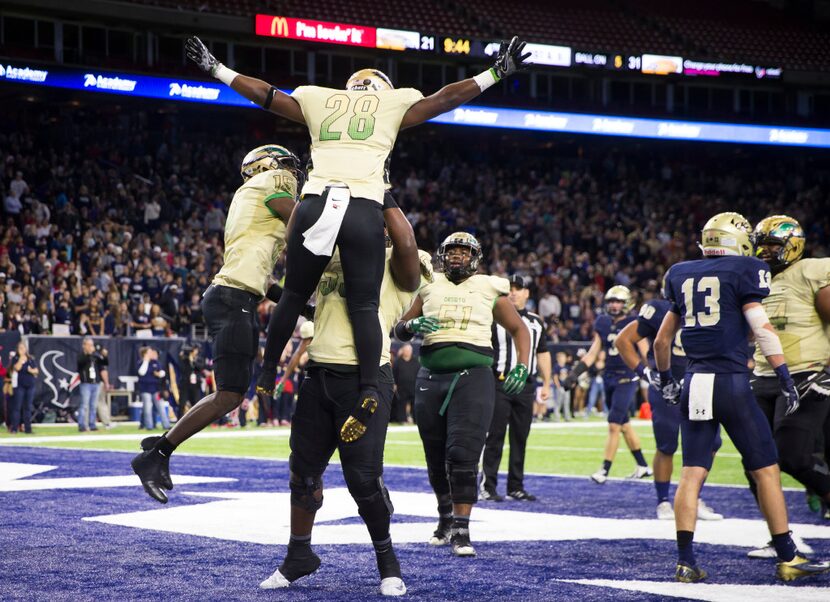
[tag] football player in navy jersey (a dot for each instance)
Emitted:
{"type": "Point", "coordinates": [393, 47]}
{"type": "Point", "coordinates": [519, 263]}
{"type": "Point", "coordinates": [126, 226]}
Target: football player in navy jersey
{"type": "Point", "coordinates": [717, 303]}
{"type": "Point", "coordinates": [620, 382]}
{"type": "Point", "coordinates": [665, 418]}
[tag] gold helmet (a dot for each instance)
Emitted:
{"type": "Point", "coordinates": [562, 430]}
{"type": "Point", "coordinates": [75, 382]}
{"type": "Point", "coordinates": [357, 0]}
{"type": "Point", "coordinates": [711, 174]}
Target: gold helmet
{"type": "Point", "coordinates": [727, 234]}
{"type": "Point", "coordinates": [369, 79]}
{"type": "Point", "coordinates": [781, 230]}
{"type": "Point", "coordinates": [460, 239]}
{"type": "Point", "coordinates": [620, 293]}
{"type": "Point", "coordinates": [269, 157]}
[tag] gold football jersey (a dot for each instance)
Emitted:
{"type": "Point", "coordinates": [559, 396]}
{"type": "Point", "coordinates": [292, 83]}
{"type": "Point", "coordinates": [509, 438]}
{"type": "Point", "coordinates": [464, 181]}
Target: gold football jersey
{"type": "Point", "coordinates": [352, 135]}
{"type": "Point", "coordinates": [792, 312]}
{"type": "Point", "coordinates": [465, 309]}
{"type": "Point", "coordinates": [334, 343]}
{"type": "Point", "coordinates": [254, 235]}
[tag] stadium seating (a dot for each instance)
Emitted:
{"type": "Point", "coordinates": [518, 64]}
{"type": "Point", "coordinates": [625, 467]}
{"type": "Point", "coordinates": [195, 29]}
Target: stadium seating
{"type": "Point", "coordinates": [741, 30]}
{"type": "Point", "coordinates": [577, 215]}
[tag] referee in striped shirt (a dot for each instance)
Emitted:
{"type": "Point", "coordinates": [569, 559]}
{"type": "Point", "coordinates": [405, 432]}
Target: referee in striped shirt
{"type": "Point", "coordinates": [515, 410]}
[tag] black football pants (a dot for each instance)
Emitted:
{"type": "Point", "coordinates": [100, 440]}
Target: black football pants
{"type": "Point", "coordinates": [517, 412]}
{"type": "Point", "coordinates": [362, 246]}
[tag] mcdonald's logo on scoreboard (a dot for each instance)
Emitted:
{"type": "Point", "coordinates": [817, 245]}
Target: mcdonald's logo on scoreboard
{"type": "Point", "coordinates": [274, 26]}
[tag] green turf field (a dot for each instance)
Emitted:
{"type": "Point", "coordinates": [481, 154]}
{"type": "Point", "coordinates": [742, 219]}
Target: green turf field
{"type": "Point", "coordinates": [574, 448]}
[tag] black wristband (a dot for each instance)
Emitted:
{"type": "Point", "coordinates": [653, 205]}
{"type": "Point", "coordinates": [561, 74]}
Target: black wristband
{"type": "Point", "coordinates": [274, 293]}
{"type": "Point", "coordinates": [401, 333]}
{"type": "Point", "coordinates": [579, 368]}
{"type": "Point", "coordinates": [269, 98]}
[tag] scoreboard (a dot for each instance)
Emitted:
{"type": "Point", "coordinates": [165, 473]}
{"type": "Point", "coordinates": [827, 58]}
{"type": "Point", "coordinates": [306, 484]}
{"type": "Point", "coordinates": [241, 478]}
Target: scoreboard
{"type": "Point", "coordinates": [549, 55]}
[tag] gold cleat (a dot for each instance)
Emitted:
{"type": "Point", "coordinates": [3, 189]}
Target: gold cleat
{"type": "Point", "coordinates": [355, 426]}
{"type": "Point", "coordinates": [800, 567]}
{"type": "Point", "coordinates": [689, 574]}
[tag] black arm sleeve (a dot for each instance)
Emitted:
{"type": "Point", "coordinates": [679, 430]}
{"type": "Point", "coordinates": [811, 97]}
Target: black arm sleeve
{"type": "Point", "coordinates": [274, 293]}
{"type": "Point", "coordinates": [579, 368]}
{"type": "Point", "coordinates": [401, 333]}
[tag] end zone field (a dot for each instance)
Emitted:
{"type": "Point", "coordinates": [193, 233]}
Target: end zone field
{"type": "Point", "coordinates": [76, 525]}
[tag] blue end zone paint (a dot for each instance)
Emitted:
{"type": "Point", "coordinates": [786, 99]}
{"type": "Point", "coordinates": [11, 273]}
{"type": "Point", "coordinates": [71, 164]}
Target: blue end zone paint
{"type": "Point", "coordinates": [49, 553]}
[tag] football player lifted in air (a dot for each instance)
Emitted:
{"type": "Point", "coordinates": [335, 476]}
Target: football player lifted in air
{"type": "Point", "coordinates": [352, 134]}
{"type": "Point", "coordinates": [331, 383]}
{"type": "Point", "coordinates": [620, 382]}
{"type": "Point", "coordinates": [254, 239]}
{"type": "Point", "coordinates": [665, 418]}
{"type": "Point", "coordinates": [455, 389]}
{"type": "Point", "coordinates": [716, 301]}
{"type": "Point", "coordinates": [798, 307]}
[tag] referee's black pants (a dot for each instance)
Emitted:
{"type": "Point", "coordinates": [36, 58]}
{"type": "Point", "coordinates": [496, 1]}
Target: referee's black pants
{"type": "Point", "coordinates": [799, 437]}
{"type": "Point", "coordinates": [362, 246]}
{"type": "Point", "coordinates": [517, 412]}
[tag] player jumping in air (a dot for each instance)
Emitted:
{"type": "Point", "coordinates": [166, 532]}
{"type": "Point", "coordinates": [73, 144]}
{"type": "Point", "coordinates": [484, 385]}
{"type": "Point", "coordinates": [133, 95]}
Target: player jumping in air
{"type": "Point", "coordinates": [717, 303]}
{"type": "Point", "coordinates": [352, 134]}
{"type": "Point", "coordinates": [254, 239]}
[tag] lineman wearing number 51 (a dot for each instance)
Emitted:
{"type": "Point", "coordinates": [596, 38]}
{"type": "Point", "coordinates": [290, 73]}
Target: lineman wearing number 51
{"type": "Point", "coordinates": [456, 390]}
{"type": "Point", "coordinates": [352, 134]}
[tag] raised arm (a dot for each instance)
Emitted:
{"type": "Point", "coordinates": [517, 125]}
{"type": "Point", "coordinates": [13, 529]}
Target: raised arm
{"type": "Point", "coordinates": [510, 59]}
{"type": "Point", "coordinates": [405, 264]}
{"type": "Point", "coordinates": [257, 91]}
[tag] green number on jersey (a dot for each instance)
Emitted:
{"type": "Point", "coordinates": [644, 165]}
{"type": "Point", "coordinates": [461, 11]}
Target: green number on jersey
{"type": "Point", "coordinates": [362, 123]}
{"type": "Point", "coordinates": [340, 104]}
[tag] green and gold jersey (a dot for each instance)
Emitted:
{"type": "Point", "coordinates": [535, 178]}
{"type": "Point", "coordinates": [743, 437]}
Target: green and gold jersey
{"type": "Point", "coordinates": [792, 312]}
{"type": "Point", "coordinates": [465, 309]}
{"type": "Point", "coordinates": [334, 343]}
{"type": "Point", "coordinates": [352, 135]}
{"type": "Point", "coordinates": [254, 235]}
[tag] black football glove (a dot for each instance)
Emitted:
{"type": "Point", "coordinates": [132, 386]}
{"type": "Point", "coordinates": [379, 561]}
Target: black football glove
{"type": "Point", "coordinates": [570, 381]}
{"type": "Point", "coordinates": [510, 58]}
{"type": "Point", "coordinates": [198, 53]}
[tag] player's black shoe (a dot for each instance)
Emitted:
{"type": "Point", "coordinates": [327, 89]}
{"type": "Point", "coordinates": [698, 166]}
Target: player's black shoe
{"type": "Point", "coordinates": [146, 445]}
{"type": "Point", "coordinates": [153, 470]}
{"type": "Point", "coordinates": [441, 535]}
{"type": "Point", "coordinates": [522, 496]}
{"type": "Point", "coordinates": [297, 564]}
{"type": "Point", "coordinates": [460, 542]}
{"type": "Point", "coordinates": [355, 426]}
{"type": "Point", "coordinates": [490, 495]}
{"type": "Point", "coordinates": [686, 573]}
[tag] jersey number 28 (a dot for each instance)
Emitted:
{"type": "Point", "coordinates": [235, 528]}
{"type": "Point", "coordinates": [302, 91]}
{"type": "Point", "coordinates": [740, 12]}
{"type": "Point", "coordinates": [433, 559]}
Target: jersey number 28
{"type": "Point", "coordinates": [362, 123]}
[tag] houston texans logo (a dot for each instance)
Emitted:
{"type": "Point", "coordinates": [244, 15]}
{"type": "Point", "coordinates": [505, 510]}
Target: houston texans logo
{"type": "Point", "coordinates": [67, 380]}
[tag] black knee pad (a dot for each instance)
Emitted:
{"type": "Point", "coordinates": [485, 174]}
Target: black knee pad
{"type": "Point", "coordinates": [304, 492]}
{"type": "Point", "coordinates": [463, 483]}
{"type": "Point", "coordinates": [438, 479]}
{"type": "Point", "coordinates": [462, 456]}
{"type": "Point", "coordinates": [373, 501]}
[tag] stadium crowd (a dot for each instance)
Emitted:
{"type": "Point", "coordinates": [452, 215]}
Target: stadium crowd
{"type": "Point", "coordinates": [113, 219]}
